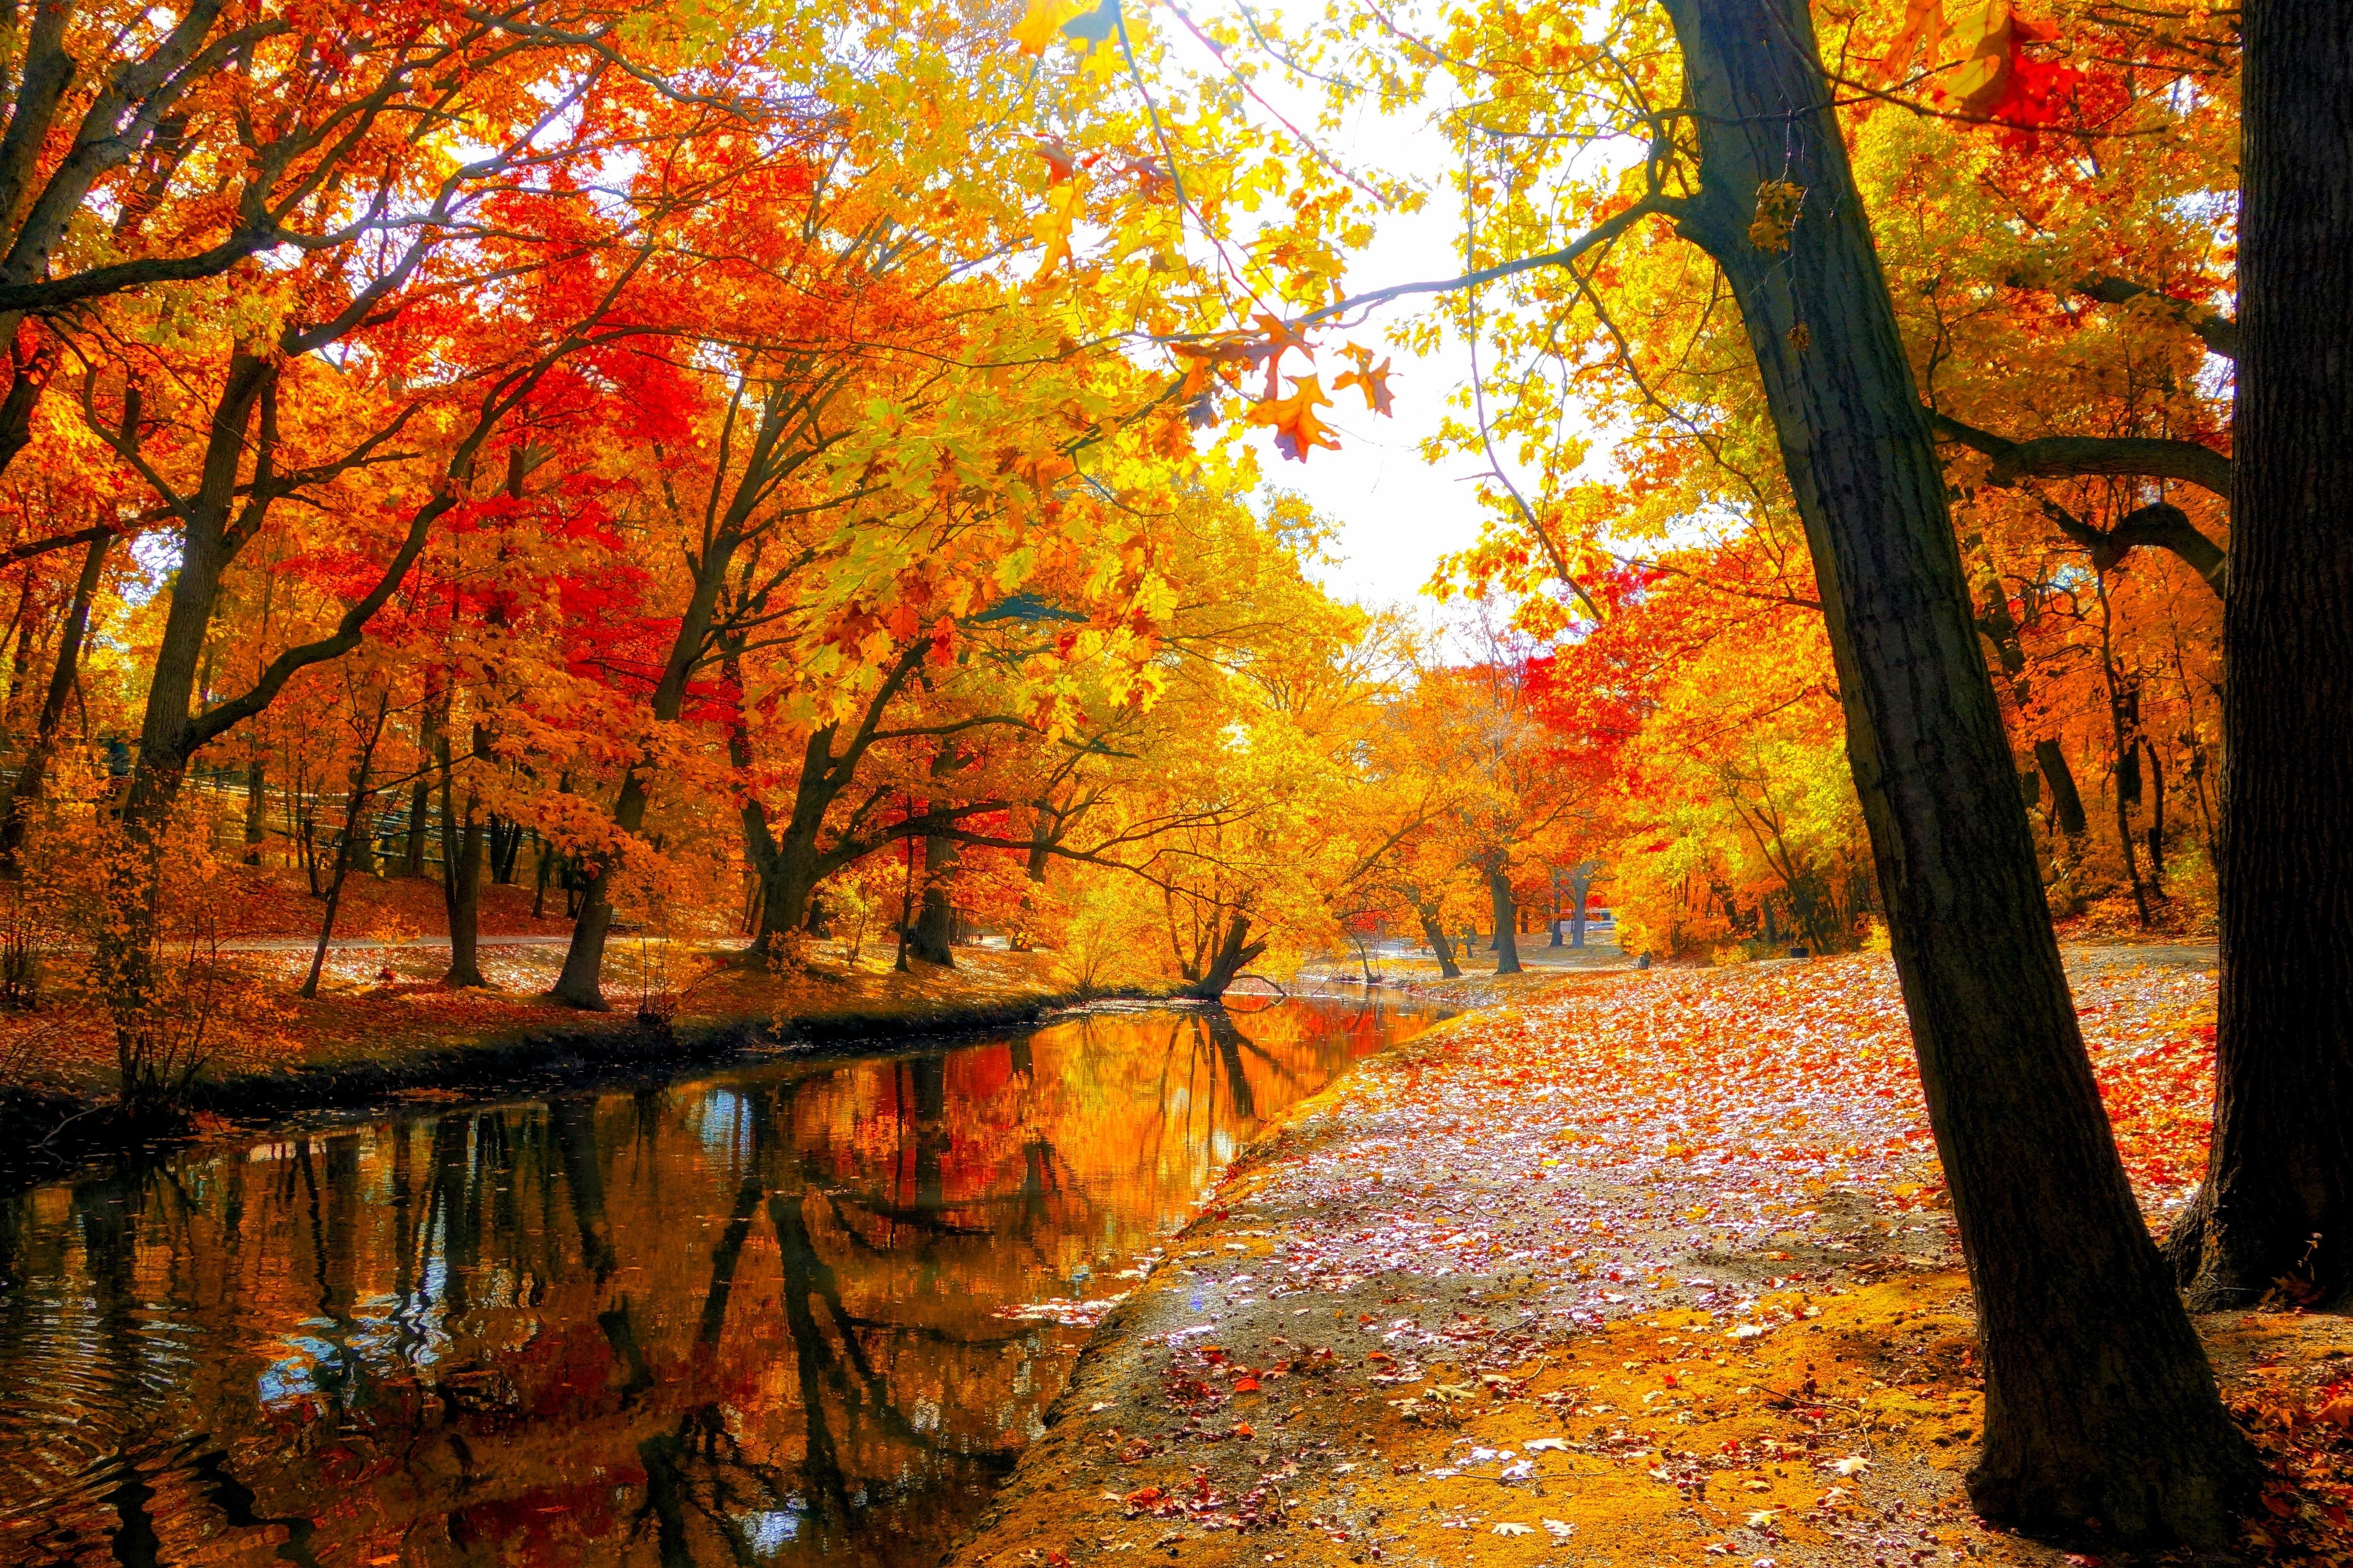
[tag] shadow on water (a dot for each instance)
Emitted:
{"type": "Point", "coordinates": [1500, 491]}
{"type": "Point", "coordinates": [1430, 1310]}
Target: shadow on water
{"type": "Point", "coordinates": [750, 1317]}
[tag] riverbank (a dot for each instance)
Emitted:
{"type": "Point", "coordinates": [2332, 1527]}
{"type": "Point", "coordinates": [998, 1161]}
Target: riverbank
{"type": "Point", "coordinates": [385, 1028]}
{"type": "Point", "coordinates": [1635, 1268]}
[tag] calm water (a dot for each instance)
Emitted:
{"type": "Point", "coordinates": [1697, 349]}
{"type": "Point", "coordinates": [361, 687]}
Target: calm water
{"type": "Point", "coordinates": [746, 1318]}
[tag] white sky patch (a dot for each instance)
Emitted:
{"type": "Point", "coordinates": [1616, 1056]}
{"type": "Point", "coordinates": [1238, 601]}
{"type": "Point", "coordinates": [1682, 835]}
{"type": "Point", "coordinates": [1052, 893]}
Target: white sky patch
{"type": "Point", "coordinates": [1395, 513]}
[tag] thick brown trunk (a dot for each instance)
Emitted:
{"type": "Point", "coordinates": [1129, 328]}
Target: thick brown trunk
{"type": "Point", "coordinates": [2066, 801]}
{"type": "Point", "coordinates": [2000, 629]}
{"type": "Point", "coordinates": [1580, 887]}
{"type": "Point", "coordinates": [1235, 952]}
{"type": "Point", "coordinates": [2099, 1401]}
{"type": "Point", "coordinates": [1434, 932]}
{"type": "Point", "coordinates": [257, 809]}
{"type": "Point", "coordinates": [32, 779]}
{"type": "Point", "coordinates": [931, 940]}
{"type": "Point", "coordinates": [2280, 1169]}
{"type": "Point", "coordinates": [461, 877]}
{"type": "Point", "coordinates": [1507, 949]}
{"type": "Point", "coordinates": [580, 983]}
{"type": "Point", "coordinates": [420, 798]}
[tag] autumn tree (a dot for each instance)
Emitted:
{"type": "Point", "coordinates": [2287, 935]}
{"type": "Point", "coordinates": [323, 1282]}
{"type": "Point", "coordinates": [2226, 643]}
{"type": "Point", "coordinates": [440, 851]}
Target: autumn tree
{"type": "Point", "coordinates": [1746, 159]}
{"type": "Point", "coordinates": [2279, 1179]}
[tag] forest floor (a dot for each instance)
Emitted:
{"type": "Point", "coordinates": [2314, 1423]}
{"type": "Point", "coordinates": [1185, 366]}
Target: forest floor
{"type": "Point", "coordinates": [384, 1026]}
{"type": "Point", "coordinates": [1631, 1267]}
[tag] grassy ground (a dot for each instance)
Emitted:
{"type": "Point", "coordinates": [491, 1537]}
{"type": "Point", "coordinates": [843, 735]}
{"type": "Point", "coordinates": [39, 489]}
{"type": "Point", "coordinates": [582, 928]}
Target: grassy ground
{"type": "Point", "coordinates": [1628, 1269]}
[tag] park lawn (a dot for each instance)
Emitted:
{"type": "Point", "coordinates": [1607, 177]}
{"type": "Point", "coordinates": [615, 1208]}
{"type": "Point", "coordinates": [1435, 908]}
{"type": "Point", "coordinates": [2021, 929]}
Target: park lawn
{"type": "Point", "coordinates": [1632, 1268]}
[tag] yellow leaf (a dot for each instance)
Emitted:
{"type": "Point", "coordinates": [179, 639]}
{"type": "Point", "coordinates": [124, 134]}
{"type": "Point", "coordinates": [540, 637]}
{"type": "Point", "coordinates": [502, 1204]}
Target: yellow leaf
{"type": "Point", "coordinates": [1044, 19]}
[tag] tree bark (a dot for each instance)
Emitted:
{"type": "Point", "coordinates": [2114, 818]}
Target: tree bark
{"type": "Point", "coordinates": [2066, 801]}
{"type": "Point", "coordinates": [2000, 629]}
{"type": "Point", "coordinates": [2279, 1170]}
{"type": "Point", "coordinates": [2099, 1401]}
{"type": "Point", "coordinates": [931, 940]}
{"type": "Point", "coordinates": [1235, 952]}
{"type": "Point", "coordinates": [420, 797]}
{"type": "Point", "coordinates": [32, 779]}
{"type": "Point", "coordinates": [1507, 949]}
{"type": "Point", "coordinates": [580, 982]}
{"type": "Point", "coordinates": [1434, 931]}
{"type": "Point", "coordinates": [257, 809]}
{"type": "Point", "coordinates": [461, 877]}
{"type": "Point", "coordinates": [1580, 885]}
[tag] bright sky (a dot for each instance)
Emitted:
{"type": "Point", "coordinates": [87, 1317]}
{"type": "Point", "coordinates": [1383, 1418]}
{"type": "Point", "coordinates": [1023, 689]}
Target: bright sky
{"type": "Point", "coordinates": [1397, 514]}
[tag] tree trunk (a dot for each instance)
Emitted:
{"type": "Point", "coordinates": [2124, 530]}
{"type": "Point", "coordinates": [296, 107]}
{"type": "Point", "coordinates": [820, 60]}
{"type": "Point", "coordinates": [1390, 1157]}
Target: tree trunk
{"type": "Point", "coordinates": [2000, 629]}
{"type": "Point", "coordinates": [2066, 801]}
{"type": "Point", "coordinates": [1581, 886]}
{"type": "Point", "coordinates": [1432, 930]}
{"type": "Point", "coordinates": [2099, 1401]}
{"type": "Point", "coordinates": [580, 983]}
{"type": "Point", "coordinates": [930, 939]}
{"type": "Point", "coordinates": [1507, 950]}
{"type": "Point", "coordinates": [355, 810]}
{"type": "Point", "coordinates": [1235, 952]}
{"type": "Point", "coordinates": [461, 878]}
{"type": "Point", "coordinates": [420, 800]}
{"type": "Point", "coordinates": [32, 779]}
{"type": "Point", "coordinates": [2280, 1168]}
{"type": "Point", "coordinates": [257, 809]}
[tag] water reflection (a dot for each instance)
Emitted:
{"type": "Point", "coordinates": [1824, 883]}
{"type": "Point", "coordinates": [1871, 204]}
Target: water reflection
{"type": "Point", "coordinates": [745, 1318]}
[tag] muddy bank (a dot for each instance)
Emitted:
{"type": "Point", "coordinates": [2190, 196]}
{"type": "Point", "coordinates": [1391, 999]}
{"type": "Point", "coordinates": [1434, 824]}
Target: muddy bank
{"type": "Point", "coordinates": [45, 1133]}
{"type": "Point", "coordinates": [1641, 1270]}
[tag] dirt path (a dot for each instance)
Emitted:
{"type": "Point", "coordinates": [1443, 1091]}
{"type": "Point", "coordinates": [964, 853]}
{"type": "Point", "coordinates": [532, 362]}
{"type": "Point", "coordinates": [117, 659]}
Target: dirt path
{"type": "Point", "coordinates": [1638, 1268]}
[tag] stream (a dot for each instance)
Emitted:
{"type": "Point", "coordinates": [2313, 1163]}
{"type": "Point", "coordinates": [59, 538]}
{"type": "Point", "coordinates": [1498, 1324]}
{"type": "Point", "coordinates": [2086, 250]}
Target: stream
{"type": "Point", "coordinates": [768, 1314]}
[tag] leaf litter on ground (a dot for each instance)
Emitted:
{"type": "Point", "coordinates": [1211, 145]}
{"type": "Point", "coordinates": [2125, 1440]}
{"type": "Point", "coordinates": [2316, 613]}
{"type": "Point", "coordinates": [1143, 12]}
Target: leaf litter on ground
{"type": "Point", "coordinates": [1663, 1259]}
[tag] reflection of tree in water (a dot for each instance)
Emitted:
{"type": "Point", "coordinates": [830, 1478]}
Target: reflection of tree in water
{"type": "Point", "coordinates": [497, 1318]}
{"type": "Point", "coordinates": [699, 1472]}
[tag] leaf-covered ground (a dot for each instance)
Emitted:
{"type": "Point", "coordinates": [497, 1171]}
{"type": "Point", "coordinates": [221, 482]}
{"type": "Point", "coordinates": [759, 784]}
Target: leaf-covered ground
{"type": "Point", "coordinates": [386, 1006]}
{"type": "Point", "coordinates": [1632, 1269]}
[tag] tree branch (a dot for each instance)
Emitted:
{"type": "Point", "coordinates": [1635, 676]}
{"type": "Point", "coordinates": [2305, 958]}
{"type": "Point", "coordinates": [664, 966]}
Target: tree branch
{"type": "Point", "coordinates": [2160, 525]}
{"type": "Point", "coordinates": [2219, 332]}
{"type": "Point", "coordinates": [2064, 457]}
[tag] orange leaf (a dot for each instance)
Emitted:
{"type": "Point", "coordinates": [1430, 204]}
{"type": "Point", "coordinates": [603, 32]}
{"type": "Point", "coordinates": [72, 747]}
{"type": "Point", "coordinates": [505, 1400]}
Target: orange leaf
{"type": "Point", "coordinates": [1296, 429]}
{"type": "Point", "coordinates": [1372, 379]}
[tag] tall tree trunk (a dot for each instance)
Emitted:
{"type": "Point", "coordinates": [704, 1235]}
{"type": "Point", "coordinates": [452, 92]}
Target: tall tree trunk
{"type": "Point", "coordinates": [32, 779]}
{"type": "Point", "coordinates": [931, 939]}
{"type": "Point", "coordinates": [1507, 949]}
{"type": "Point", "coordinates": [2000, 629]}
{"type": "Point", "coordinates": [580, 983]}
{"type": "Point", "coordinates": [1434, 931]}
{"type": "Point", "coordinates": [356, 811]}
{"type": "Point", "coordinates": [2066, 800]}
{"type": "Point", "coordinates": [420, 800]}
{"type": "Point", "coordinates": [124, 967]}
{"type": "Point", "coordinates": [1234, 953]}
{"type": "Point", "coordinates": [1580, 887]}
{"type": "Point", "coordinates": [2099, 1401]}
{"type": "Point", "coordinates": [2280, 1169]}
{"type": "Point", "coordinates": [461, 875]}
{"type": "Point", "coordinates": [257, 809]}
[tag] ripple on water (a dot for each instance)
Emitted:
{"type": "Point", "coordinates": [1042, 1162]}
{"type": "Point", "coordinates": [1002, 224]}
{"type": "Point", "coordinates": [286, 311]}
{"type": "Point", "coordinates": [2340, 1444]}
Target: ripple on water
{"type": "Point", "coordinates": [751, 1315]}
